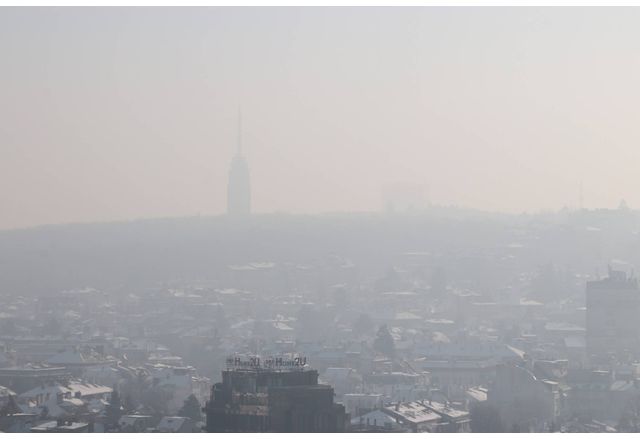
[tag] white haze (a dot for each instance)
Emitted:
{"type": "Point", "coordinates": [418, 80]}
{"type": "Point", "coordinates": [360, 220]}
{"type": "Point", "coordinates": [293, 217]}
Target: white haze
{"type": "Point", "coordinates": [112, 114]}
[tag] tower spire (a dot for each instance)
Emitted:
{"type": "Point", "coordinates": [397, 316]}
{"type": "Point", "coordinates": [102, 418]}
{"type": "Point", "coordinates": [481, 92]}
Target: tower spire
{"type": "Point", "coordinates": [239, 131]}
{"type": "Point", "coordinates": [239, 187]}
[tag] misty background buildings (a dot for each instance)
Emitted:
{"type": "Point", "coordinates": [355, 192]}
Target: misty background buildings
{"type": "Point", "coordinates": [441, 320]}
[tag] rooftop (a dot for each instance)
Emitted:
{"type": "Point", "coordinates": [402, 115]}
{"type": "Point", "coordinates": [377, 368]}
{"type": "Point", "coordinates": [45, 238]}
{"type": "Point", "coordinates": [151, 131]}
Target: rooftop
{"type": "Point", "coordinates": [413, 412]}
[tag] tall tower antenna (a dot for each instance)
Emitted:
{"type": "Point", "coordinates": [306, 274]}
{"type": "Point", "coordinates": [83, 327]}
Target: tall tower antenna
{"type": "Point", "coordinates": [239, 131]}
{"type": "Point", "coordinates": [581, 196]}
{"type": "Point", "coordinates": [239, 186]}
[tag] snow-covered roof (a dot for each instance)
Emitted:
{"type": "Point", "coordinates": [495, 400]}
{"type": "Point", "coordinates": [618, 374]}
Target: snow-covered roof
{"type": "Point", "coordinates": [87, 389]}
{"type": "Point", "coordinates": [413, 412]}
{"type": "Point", "coordinates": [446, 410]}
{"type": "Point", "coordinates": [477, 393]}
{"type": "Point", "coordinates": [72, 402]}
{"type": "Point", "coordinates": [6, 392]}
{"type": "Point", "coordinates": [50, 425]}
{"type": "Point", "coordinates": [376, 417]}
{"type": "Point", "coordinates": [43, 390]}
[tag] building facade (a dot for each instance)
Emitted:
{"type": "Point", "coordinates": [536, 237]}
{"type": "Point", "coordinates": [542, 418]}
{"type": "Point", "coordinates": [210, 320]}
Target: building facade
{"type": "Point", "coordinates": [613, 305]}
{"type": "Point", "coordinates": [265, 400]}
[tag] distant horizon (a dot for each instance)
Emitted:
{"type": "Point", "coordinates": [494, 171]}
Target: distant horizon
{"type": "Point", "coordinates": [256, 215]}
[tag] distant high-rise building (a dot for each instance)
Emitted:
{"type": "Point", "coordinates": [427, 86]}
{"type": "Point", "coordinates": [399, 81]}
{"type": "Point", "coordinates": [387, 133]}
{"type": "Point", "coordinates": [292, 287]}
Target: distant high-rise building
{"type": "Point", "coordinates": [613, 305]}
{"type": "Point", "coordinates": [267, 400]}
{"type": "Point", "coordinates": [239, 186]}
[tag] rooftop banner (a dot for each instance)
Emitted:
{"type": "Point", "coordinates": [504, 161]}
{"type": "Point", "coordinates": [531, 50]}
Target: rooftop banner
{"type": "Point", "coordinates": [273, 363]}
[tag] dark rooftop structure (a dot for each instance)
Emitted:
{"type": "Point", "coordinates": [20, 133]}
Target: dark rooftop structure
{"type": "Point", "coordinates": [267, 400]}
{"type": "Point", "coordinates": [60, 426]}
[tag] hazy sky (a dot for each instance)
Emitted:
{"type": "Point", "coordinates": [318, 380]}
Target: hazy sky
{"type": "Point", "coordinates": [111, 114]}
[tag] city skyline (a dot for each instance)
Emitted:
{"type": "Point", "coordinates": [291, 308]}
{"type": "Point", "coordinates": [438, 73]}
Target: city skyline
{"type": "Point", "coordinates": [319, 220]}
